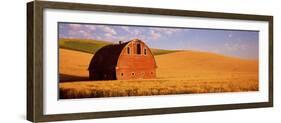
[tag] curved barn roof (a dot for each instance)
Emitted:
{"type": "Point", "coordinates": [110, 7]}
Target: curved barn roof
{"type": "Point", "coordinates": [107, 56]}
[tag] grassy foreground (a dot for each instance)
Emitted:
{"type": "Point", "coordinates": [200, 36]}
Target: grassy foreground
{"type": "Point", "coordinates": [150, 87]}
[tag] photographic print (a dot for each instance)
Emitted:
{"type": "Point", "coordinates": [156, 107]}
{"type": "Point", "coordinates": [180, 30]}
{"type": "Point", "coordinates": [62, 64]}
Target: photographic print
{"type": "Point", "coordinates": [102, 60]}
{"type": "Point", "coordinates": [88, 61]}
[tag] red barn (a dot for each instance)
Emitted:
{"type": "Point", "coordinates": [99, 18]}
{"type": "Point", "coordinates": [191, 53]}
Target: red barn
{"type": "Point", "coordinates": [123, 61]}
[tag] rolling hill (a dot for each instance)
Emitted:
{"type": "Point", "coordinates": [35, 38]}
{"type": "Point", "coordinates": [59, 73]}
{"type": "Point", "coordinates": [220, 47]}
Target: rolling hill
{"type": "Point", "coordinates": [177, 65]}
{"type": "Point", "coordinates": [73, 65]}
{"type": "Point", "coordinates": [83, 45]}
{"type": "Point", "coordinates": [92, 46]}
{"type": "Point", "coordinates": [205, 66]}
{"type": "Point", "coordinates": [182, 72]}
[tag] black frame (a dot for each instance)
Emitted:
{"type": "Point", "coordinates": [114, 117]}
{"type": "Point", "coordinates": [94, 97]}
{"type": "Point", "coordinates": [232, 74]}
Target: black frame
{"type": "Point", "coordinates": [35, 60]}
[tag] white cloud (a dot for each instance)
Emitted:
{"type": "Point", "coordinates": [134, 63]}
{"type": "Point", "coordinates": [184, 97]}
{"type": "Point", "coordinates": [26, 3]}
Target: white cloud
{"type": "Point", "coordinates": [71, 34]}
{"type": "Point", "coordinates": [85, 34]}
{"type": "Point", "coordinates": [155, 35]}
{"type": "Point", "coordinates": [167, 31]}
{"type": "Point", "coordinates": [136, 32]}
{"type": "Point", "coordinates": [126, 28]}
{"type": "Point", "coordinates": [90, 27]}
{"type": "Point", "coordinates": [235, 47]}
{"type": "Point", "coordinates": [107, 29]}
{"type": "Point", "coordinates": [171, 31]}
{"type": "Point", "coordinates": [79, 31]}
{"type": "Point", "coordinates": [108, 35]}
{"type": "Point", "coordinates": [74, 26]}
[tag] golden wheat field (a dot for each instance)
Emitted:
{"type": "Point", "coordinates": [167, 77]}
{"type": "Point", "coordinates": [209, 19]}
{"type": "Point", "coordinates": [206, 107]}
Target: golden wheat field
{"type": "Point", "coordinates": [177, 73]}
{"type": "Point", "coordinates": [73, 65]}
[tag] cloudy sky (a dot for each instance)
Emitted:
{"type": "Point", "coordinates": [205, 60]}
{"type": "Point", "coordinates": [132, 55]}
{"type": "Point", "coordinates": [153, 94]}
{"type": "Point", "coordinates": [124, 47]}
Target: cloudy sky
{"type": "Point", "coordinates": [243, 44]}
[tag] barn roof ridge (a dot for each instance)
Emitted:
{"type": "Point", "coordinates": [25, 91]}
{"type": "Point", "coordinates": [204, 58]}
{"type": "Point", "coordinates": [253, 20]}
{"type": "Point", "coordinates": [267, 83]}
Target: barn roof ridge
{"type": "Point", "coordinates": [111, 52]}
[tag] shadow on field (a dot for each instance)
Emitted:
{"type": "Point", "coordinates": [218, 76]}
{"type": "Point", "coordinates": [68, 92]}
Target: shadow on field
{"type": "Point", "coordinates": [71, 78]}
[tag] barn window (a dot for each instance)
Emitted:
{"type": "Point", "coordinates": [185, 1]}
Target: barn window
{"type": "Point", "coordinates": [144, 51]}
{"type": "Point", "coordinates": [122, 74]}
{"type": "Point", "coordinates": [128, 50]}
{"type": "Point", "coordinates": [138, 48]}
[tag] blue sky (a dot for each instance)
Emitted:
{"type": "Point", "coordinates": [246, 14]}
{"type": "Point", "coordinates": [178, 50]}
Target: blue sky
{"type": "Point", "coordinates": [238, 43]}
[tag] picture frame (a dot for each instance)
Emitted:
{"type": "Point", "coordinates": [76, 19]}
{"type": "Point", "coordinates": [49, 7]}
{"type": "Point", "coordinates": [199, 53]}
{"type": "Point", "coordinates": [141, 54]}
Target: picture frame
{"type": "Point", "coordinates": [36, 46]}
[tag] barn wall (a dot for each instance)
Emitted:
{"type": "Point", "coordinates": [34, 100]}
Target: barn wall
{"type": "Point", "coordinates": [135, 66]}
{"type": "Point", "coordinates": [102, 75]}
{"type": "Point", "coordinates": [138, 74]}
